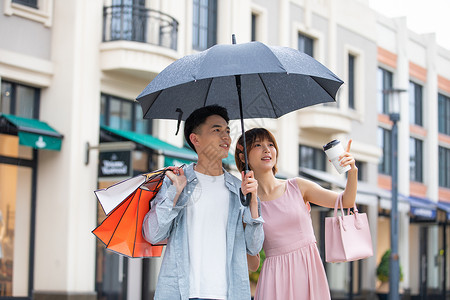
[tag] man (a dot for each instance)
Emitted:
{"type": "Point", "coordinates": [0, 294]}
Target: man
{"type": "Point", "coordinates": [199, 211]}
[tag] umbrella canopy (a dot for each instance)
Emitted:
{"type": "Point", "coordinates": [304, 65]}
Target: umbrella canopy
{"type": "Point", "coordinates": [251, 80]}
{"type": "Point", "coordinates": [274, 81]}
{"type": "Point", "coordinates": [126, 205]}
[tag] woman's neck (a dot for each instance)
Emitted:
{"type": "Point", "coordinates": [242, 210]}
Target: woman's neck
{"type": "Point", "coordinates": [267, 182]}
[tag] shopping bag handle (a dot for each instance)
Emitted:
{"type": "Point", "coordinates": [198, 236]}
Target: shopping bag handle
{"type": "Point", "coordinates": [339, 201]}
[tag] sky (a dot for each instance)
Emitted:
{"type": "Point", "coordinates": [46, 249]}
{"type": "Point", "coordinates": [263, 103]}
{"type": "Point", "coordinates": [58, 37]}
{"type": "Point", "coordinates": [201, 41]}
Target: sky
{"type": "Point", "coordinates": [423, 16]}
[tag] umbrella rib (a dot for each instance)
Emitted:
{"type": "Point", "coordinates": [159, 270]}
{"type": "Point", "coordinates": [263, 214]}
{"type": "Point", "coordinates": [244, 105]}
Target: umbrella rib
{"type": "Point", "coordinates": [156, 98]}
{"type": "Point", "coordinates": [314, 78]}
{"type": "Point", "coordinates": [207, 92]}
{"type": "Point", "coordinates": [267, 92]}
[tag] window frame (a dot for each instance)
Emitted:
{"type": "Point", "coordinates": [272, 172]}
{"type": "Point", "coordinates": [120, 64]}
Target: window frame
{"type": "Point", "coordinates": [106, 101]}
{"type": "Point", "coordinates": [416, 170]}
{"type": "Point", "coordinates": [382, 98]}
{"type": "Point", "coordinates": [209, 29]}
{"type": "Point", "coordinates": [43, 13]}
{"type": "Point", "coordinates": [27, 3]}
{"type": "Point", "coordinates": [351, 65]}
{"type": "Point", "coordinates": [254, 26]}
{"type": "Point", "coordinates": [415, 103]}
{"type": "Point", "coordinates": [14, 100]}
{"type": "Point", "coordinates": [301, 36]}
{"type": "Point", "coordinates": [444, 166]}
{"type": "Point", "coordinates": [385, 164]}
{"type": "Point", "coordinates": [443, 114]}
{"type": "Point", "coordinates": [318, 154]}
{"type": "Point", "coordinates": [362, 166]}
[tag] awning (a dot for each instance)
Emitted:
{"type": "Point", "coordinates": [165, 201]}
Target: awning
{"type": "Point", "coordinates": [422, 208]}
{"type": "Point", "coordinates": [156, 144]}
{"type": "Point", "coordinates": [32, 133]}
{"type": "Point", "coordinates": [444, 206]}
{"type": "Point", "coordinates": [183, 155]}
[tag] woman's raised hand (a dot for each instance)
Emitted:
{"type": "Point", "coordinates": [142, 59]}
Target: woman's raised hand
{"type": "Point", "coordinates": [346, 159]}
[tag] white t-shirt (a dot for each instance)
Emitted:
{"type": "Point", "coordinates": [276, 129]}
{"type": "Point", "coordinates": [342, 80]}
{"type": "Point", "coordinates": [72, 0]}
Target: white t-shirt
{"type": "Point", "coordinates": [207, 216]}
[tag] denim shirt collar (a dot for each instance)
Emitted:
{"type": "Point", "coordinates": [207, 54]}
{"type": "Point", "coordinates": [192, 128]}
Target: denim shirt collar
{"type": "Point", "coordinates": [229, 182]}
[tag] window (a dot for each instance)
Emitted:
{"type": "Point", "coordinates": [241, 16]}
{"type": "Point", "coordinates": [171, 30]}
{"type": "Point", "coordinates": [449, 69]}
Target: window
{"type": "Point", "coordinates": [361, 170]}
{"type": "Point", "coordinates": [37, 10]}
{"type": "Point", "coordinates": [123, 114]}
{"type": "Point", "coordinates": [312, 158]}
{"type": "Point", "coordinates": [306, 44]}
{"type": "Point", "coordinates": [444, 167]}
{"type": "Point", "coordinates": [20, 100]}
{"type": "Point", "coordinates": [30, 3]}
{"type": "Point", "coordinates": [444, 114]}
{"type": "Point", "coordinates": [415, 160]}
{"type": "Point", "coordinates": [204, 26]}
{"type": "Point", "coordinates": [384, 82]}
{"type": "Point", "coordinates": [351, 81]}
{"type": "Point", "coordinates": [254, 20]}
{"type": "Point", "coordinates": [128, 20]}
{"type": "Point", "coordinates": [384, 141]}
{"type": "Point", "coordinates": [415, 103]}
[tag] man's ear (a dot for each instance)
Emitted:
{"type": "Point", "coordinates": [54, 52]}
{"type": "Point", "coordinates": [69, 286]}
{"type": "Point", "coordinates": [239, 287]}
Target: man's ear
{"type": "Point", "coordinates": [194, 139]}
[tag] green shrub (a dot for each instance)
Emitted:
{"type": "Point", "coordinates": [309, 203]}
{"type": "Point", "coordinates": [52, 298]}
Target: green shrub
{"type": "Point", "coordinates": [383, 267]}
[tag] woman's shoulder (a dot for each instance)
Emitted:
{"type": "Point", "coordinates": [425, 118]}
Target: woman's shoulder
{"type": "Point", "coordinates": [303, 184]}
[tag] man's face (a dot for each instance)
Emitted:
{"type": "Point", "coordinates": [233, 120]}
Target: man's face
{"type": "Point", "coordinates": [212, 138]}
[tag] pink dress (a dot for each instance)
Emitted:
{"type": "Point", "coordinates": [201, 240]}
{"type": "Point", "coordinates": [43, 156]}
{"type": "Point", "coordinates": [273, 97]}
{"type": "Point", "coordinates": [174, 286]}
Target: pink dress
{"type": "Point", "coordinates": [292, 268]}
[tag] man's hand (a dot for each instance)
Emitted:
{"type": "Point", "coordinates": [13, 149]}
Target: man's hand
{"type": "Point", "coordinates": [176, 175]}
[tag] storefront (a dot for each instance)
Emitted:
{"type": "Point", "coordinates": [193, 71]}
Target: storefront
{"type": "Point", "coordinates": [423, 247]}
{"type": "Point", "coordinates": [21, 139]}
{"type": "Point", "coordinates": [443, 258]}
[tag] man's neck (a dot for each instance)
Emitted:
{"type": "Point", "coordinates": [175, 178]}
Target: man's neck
{"type": "Point", "coordinates": [208, 166]}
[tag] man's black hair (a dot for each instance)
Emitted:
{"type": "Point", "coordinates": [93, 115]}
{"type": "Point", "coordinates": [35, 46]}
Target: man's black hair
{"type": "Point", "coordinates": [199, 116]}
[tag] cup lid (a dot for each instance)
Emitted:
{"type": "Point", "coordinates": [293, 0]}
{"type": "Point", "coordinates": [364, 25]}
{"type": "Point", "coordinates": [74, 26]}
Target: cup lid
{"type": "Point", "coordinates": [331, 145]}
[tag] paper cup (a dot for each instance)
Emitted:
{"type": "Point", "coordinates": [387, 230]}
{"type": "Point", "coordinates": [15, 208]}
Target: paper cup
{"type": "Point", "coordinates": [333, 149]}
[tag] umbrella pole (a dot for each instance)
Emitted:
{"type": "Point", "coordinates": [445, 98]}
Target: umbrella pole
{"type": "Point", "coordinates": [244, 200]}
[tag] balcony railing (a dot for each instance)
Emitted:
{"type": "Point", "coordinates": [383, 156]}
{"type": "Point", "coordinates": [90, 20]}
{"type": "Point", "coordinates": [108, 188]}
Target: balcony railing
{"type": "Point", "coordinates": [139, 24]}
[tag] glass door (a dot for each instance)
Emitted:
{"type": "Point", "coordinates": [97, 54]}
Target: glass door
{"type": "Point", "coordinates": [15, 221]}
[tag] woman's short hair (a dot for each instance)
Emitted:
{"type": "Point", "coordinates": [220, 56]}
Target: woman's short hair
{"type": "Point", "coordinates": [251, 136]}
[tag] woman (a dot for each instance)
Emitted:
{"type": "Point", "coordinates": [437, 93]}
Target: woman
{"type": "Point", "coordinates": [292, 268]}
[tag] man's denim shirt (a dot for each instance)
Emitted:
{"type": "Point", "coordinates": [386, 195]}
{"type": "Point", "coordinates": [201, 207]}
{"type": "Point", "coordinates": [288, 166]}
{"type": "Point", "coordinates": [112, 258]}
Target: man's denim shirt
{"type": "Point", "coordinates": [165, 221]}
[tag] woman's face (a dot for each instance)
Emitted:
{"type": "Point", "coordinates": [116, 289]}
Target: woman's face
{"type": "Point", "coordinates": [263, 156]}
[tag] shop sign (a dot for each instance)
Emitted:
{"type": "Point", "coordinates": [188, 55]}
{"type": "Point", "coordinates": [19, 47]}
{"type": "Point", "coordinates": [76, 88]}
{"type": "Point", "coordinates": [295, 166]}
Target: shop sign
{"type": "Point", "coordinates": [423, 212]}
{"type": "Point", "coordinates": [115, 164]}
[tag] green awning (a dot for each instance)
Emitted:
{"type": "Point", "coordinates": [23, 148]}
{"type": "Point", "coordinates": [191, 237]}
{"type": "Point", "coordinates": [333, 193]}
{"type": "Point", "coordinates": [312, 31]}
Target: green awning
{"type": "Point", "coordinates": [33, 133]}
{"type": "Point", "coordinates": [151, 142]}
{"type": "Point", "coordinates": [183, 155]}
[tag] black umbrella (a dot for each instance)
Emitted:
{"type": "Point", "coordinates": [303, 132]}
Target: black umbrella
{"type": "Point", "coordinates": [251, 80]}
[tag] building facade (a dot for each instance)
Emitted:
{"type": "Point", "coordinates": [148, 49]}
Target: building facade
{"type": "Point", "coordinates": [69, 74]}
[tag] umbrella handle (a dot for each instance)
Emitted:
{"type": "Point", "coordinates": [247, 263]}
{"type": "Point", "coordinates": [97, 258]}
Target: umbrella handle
{"type": "Point", "coordinates": [245, 199]}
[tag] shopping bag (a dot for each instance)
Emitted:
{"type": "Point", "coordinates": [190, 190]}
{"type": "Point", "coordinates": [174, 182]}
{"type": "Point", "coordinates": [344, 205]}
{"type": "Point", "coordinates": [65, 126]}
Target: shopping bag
{"type": "Point", "coordinates": [347, 237]}
{"type": "Point", "coordinates": [126, 204]}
